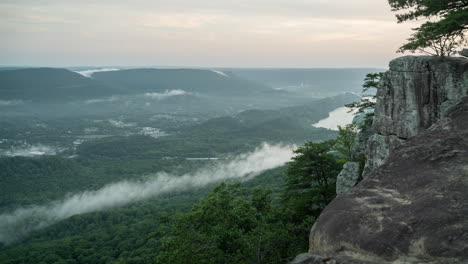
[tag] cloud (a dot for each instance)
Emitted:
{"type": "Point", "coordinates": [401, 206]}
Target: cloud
{"type": "Point", "coordinates": [257, 33]}
{"type": "Point", "coordinates": [152, 132]}
{"type": "Point", "coordinates": [89, 73]}
{"type": "Point", "coordinates": [20, 222]}
{"type": "Point", "coordinates": [103, 100]}
{"type": "Point", "coordinates": [220, 73]}
{"type": "Point", "coordinates": [177, 20]}
{"type": "Point", "coordinates": [120, 124]}
{"type": "Point", "coordinates": [167, 93]}
{"type": "Point", "coordinates": [10, 102]}
{"type": "Point", "coordinates": [30, 150]}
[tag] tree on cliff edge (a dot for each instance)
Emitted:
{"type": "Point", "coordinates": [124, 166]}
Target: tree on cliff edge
{"type": "Point", "coordinates": [445, 29]}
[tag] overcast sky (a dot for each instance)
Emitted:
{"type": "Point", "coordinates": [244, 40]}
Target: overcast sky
{"type": "Point", "coordinates": [210, 33]}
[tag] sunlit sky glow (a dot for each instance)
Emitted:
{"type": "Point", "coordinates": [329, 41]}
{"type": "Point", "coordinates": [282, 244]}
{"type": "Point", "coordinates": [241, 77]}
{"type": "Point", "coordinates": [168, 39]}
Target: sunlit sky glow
{"type": "Point", "coordinates": [205, 33]}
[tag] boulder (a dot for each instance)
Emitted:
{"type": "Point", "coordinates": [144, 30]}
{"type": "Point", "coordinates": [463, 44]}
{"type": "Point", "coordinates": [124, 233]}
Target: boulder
{"type": "Point", "coordinates": [348, 177]}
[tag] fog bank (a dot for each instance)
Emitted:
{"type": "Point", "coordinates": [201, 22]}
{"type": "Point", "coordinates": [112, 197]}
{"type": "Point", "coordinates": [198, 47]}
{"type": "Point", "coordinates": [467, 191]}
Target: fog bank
{"type": "Point", "coordinates": [17, 224]}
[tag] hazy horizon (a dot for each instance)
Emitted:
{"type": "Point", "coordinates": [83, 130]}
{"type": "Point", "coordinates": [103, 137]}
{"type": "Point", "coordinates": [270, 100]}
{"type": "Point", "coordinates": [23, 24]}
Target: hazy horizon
{"type": "Point", "coordinates": [221, 34]}
{"type": "Point", "coordinates": [125, 67]}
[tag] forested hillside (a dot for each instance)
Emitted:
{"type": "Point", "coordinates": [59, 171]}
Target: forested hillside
{"type": "Point", "coordinates": [126, 162]}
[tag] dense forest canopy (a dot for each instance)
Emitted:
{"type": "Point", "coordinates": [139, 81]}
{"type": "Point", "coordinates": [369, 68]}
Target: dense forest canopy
{"type": "Point", "coordinates": [81, 184]}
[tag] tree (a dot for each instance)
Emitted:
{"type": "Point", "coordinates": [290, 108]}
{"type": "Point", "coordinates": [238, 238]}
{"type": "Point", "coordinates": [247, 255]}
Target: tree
{"type": "Point", "coordinates": [445, 29]}
{"type": "Point", "coordinates": [230, 226]}
{"type": "Point", "coordinates": [367, 104]}
{"type": "Point", "coordinates": [345, 140]}
{"type": "Point", "coordinates": [311, 179]}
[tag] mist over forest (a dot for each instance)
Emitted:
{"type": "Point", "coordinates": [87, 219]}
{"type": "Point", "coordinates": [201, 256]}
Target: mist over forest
{"type": "Point", "coordinates": [91, 150]}
{"type": "Point", "coordinates": [233, 132]}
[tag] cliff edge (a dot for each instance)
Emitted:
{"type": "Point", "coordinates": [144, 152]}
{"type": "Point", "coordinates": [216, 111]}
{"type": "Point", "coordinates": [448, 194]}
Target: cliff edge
{"type": "Point", "coordinates": [413, 95]}
{"type": "Point", "coordinates": [412, 206]}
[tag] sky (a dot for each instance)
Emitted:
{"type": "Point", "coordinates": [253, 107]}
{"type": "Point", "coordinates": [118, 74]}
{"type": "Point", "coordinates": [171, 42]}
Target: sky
{"type": "Point", "coordinates": [200, 33]}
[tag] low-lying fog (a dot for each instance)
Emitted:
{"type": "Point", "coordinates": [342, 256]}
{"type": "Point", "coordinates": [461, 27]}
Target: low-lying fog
{"type": "Point", "coordinates": [18, 223]}
{"type": "Point", "coordinates": [31, 150]}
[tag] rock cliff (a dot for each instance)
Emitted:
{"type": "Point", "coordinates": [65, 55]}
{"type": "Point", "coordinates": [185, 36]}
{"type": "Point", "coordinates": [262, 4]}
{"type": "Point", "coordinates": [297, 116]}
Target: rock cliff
{"type": "Point", "coordinates": [412, 206]}
{"type": "Point", "coordinates": [413, 95]}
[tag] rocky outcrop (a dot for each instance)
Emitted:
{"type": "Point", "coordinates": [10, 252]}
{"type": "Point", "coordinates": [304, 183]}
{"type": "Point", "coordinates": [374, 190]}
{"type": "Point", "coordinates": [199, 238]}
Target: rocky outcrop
{"type": "Point", "coordinates": [412, 209]}
{"type": "Point", "coordinates": [412, 96]}
{"type": "Point", "coordinates": [348, 177]}
{"type": "Point", "coordinates": [378, 148]}
{"type": "Point", "coordinates": [412, 206]}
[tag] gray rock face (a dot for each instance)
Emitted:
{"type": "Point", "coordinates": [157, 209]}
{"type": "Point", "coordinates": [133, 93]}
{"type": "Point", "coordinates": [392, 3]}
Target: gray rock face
{"type": "Point", "coordinates": [411, 209]}
{"type": "Point", "coordinates": [348, 177]}
{"type": "Point", "coordinates": [464, 52]}
{"type": "Point", "coordinates": [413, 95]}
{"type": "Point", "coordinates": [378, 149]}
{"type": "Point", "coordinates": [361, 141]}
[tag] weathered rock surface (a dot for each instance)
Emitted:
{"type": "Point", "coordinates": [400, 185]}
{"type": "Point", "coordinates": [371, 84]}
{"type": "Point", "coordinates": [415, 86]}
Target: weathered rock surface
{"type": "Point", "coordinates": [362, 137]}
{"type": "Point", "coordinates": [348, 177]}
{"type": "Point", "coordinates": [307, 258]}
{"type": "Point", "coordinates": [413, 208]}
{"type": "Point", "coordinates": [412, 96]}
{"type": "Point", "coordinates": [464, 52]}
{"type": "Point", "coordinates": [378, 148]}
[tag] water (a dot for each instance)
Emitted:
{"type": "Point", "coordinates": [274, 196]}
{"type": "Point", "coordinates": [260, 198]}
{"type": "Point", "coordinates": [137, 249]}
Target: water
{"type": "Point", "coordinates": [337, 117]}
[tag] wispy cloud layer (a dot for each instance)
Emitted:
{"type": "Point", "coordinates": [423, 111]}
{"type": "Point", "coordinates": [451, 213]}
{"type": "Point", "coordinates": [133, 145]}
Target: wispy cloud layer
{"type": "Point", "coordinates": [103, 100]}
{"type": "Point", "coordinates": [89, 73]}
{"type": "Point", "coordinates": [167, 93]}
{"type": "Point", "coordinates": [17, 224]}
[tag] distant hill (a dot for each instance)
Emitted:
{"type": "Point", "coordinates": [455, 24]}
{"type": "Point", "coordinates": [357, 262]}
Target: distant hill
{"type": "Point", "coordinates": [227, 134]}
{"type": "Point", "coordinates": [315, 82]}
{"type": "Point", "coordinates": [139, 91]}
{"type": "Point", "coordinates": [189, 80]}
{"type": "Point", "coordinates": [6, 68]}
{"type": "Point", "coordinates": [54, 84]}
{"type": "Point", "coordinates": [49, 84]}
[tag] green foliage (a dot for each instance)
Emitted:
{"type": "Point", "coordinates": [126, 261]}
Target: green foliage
{"type": "Point", "coordinates": [123, 235]}
{"type": "Point", "coordinates": [362, 106]}
{"type": "Point", "coordinates": [345, 140]}
{"type": "Point", "coordinates": [26, 180]}
{"type": "Point", "coordinates": [444, 35]}
{"type": "Point", "coordinates": [366, 104]}
{"type": "Point", "coordinates": [311, 179]}
{"type": "Point", "coordinates": [234, 226]}
{"type": "Point", "coordinates": [372, 80]}
{"type": "Point", "coordinates": [263, 229]}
